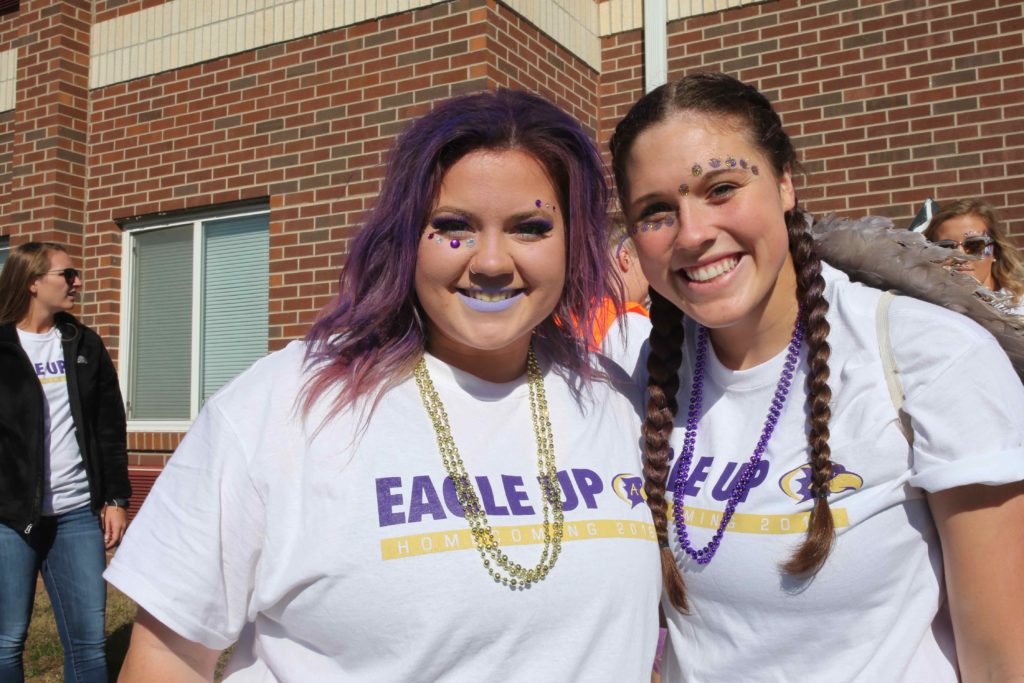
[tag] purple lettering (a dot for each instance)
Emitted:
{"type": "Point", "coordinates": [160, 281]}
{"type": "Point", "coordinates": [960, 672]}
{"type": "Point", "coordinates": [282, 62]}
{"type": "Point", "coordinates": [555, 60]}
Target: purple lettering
{"type": "Point", "coordinates": [759, 475]}
{"type": "Point", "coordinates": [723, 489]}
{"type": "Point", "coordinates": [451, 498]}
{"type": "Point", "coordinates": [726, 483]}
{"type": "Point", "coordinates": [386, 501]}
{"type": "Point", "coordinates": [51, 368]}
{"type": "Point", "coordinates": [40, 370]}
{"type": "Point", "coordinates": [60, 365]}
{"type": "Point", "coordinates": [569, 500]}
{"type": "Point", "coordinates": [698, 475]}
{"type": "Point", "coordinates": [515, 496]}
{"type": "Point", "coordinates": [423, 500]}
{"type": "Point", "coordinates": [589, 485]}
{"type": "Point", "coordinates": [487, 498]}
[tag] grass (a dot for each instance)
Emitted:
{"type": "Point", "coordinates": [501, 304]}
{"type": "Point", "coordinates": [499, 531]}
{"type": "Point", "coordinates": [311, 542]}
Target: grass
{"type": "Point", "coordinates": [44, 656]}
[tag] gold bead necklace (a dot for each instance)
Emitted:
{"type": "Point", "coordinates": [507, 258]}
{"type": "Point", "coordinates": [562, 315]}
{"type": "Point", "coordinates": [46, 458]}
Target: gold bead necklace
{"type": "Point", "coordinates": [503, 570]}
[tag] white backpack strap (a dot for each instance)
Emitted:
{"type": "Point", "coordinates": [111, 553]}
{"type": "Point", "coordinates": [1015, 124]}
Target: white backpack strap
{"type": "Point", "coordinates": [892, 373]}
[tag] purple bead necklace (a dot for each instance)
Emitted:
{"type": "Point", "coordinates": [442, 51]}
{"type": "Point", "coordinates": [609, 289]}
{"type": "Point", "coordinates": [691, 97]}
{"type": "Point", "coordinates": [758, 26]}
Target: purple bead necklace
{"type": "Point", "coordinates": [704, 555]}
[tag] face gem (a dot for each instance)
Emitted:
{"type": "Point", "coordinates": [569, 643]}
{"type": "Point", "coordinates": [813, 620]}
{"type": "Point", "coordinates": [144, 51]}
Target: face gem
{"type": "Point", "coordinates": [715, 163]}
{"type": "Point", "coordinates": [743, 163]}
{"type": "Point", "coordinates": [730, 162]}
{"type": "Point", "coordinates": [455, 244]}
{"type": "Point", "coordinates": [470, 243]}
{"type": "Point", "coordinates": [753, 169]}
{"type": "Point", "coordinates": [696, 171]}
{"type": "Point", "coordinates": [684, 190]}
{"type": "Point", "coordinates": [430, 236]}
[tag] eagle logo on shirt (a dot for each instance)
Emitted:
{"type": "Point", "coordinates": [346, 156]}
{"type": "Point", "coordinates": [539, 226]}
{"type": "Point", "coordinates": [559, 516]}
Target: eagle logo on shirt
{"type": "Point", "coordinates": [797, 482]}
{"type": "Point", "coordinates": [630, 488]}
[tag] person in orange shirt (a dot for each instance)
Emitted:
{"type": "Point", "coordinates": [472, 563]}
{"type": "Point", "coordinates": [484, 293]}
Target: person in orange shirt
{"type": "Point", "coordinates": [621, 334]}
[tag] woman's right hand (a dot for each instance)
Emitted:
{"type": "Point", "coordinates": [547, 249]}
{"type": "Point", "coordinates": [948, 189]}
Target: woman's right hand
{"type": "Point", "coordinates": [157, 654]}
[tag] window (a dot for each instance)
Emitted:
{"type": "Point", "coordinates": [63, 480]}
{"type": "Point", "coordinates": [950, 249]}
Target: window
{"type": "Point", "coordinates": [194, 307]}
{"type": "Point", "coordinates": [8, 6]}
{"type": "Point", "coordinates": [5, 249]}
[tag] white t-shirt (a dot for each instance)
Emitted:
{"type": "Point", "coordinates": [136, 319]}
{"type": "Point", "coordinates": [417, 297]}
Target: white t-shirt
{"type": "Point", "coordinates": [332, 557]}
{"type": "Point", "coordinates": [877, 610]}
{"type": "Point", "coordinates": [624, 343]}
{"type": "Point", "coordinates": [65, 482]}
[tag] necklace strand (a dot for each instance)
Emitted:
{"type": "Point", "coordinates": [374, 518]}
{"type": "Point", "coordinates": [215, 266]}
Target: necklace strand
{"type": "Point", "coordinates": [503, 570]}
{"type": "Point", "coordinates": [739, 490]}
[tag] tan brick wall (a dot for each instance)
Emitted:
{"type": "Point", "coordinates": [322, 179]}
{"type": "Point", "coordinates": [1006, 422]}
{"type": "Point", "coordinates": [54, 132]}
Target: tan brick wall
{"type": "Point", "coordinates": [888, 101]}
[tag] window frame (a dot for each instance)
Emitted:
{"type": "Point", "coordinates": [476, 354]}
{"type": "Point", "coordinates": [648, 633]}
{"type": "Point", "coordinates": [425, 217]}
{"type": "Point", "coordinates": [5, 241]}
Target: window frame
{"type": "Point", "coordinates": [197, 219]}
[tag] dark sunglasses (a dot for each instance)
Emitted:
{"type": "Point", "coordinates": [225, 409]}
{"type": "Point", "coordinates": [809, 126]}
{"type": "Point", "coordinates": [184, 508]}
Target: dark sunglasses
{"type": "Point", "coordinates": [70, 274]}
{"type": "Point", "coordinates": [977, 245]}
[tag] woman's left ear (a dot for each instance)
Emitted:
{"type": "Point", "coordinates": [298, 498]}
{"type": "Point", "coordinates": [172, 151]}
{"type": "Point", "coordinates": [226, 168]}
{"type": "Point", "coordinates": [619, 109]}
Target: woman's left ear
{"type": "Point", "coordinates": [786, 191]}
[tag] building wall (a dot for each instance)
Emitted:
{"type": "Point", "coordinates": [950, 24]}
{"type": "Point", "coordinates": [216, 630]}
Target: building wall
{"type": "Point", "coordinates": [889, 101]}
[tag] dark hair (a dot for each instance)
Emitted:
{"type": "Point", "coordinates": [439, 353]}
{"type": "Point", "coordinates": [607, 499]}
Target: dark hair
{"type": "Point", "coordinates": [25, 264]}
{"type": "Point", "coordinates": [1008, 264]}
{"type": "Point", "coordinates": [731, 101]}
{"type": "Point", "coordinates": [371, 337]}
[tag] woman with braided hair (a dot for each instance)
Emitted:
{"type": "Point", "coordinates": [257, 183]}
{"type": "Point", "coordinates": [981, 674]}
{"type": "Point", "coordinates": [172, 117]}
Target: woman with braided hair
{"type": "Point", "coordinates": [834, 519]}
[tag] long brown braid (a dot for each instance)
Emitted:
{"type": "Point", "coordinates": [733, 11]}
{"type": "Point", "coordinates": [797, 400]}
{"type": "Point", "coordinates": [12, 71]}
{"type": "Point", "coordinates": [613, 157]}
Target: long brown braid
{"type": "Point", "coordinates": [726, 98]}
{"type": "Point", "coordinates": [810, 289]}
{"type": "Point", "coordinates": [663, 363]}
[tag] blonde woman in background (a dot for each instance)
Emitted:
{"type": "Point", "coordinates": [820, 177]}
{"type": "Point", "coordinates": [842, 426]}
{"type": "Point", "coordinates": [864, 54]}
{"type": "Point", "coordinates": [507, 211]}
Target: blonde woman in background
{"type": "Point", "coordinates": [971, 226]}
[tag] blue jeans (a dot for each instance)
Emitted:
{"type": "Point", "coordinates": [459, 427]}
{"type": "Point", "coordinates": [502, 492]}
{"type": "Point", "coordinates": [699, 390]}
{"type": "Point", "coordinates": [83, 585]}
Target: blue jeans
{"type": "Point", "coordinates": [68, 549]}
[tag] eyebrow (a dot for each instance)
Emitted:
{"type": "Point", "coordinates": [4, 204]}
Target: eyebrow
{"type": "Point", "coordinates": [706, 177]}
{"type": "Point", "coordinates": [517, 217]}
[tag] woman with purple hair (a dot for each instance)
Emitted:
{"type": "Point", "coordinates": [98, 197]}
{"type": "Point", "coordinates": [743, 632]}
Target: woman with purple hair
{"type": "Point", "coordinates": [392, 498]}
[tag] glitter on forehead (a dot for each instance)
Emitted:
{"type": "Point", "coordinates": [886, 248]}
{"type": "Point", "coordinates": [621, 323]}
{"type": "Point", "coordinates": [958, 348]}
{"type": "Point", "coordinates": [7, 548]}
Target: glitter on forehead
{"type": "Point", "coordinates": [538, 203]}
{"type": "Point", "coordinates": [730, 162]}
{"type": "Point", "coordinates": [696, 170]}
{"type": "Point", "coordinates": [715, 163]}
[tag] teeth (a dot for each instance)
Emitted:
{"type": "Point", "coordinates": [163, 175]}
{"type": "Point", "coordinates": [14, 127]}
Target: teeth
{"type": "Point", "coordinates": [714, 270]}
{"type": "Point", "coordinates": [490, 296]}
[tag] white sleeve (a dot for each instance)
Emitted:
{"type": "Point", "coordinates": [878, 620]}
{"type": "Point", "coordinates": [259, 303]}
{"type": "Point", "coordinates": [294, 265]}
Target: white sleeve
{"type": "Point", "coordinates": [626, 343]}
{"type": "Point", "coordinates": [965, 402]}
{"type": "Point", "coordinates": [190, 556]}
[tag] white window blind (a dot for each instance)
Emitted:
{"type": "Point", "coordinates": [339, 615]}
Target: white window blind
{"type": "Point", "coordinates": [197, 315]}
{"type": "Point", "coordinates": [235, 293]}
{"type": "Point", "coordinates": [161, 324]}
{"type": "Point", "coordinates": [5, 248]}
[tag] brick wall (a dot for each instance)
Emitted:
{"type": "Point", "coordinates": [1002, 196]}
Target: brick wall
{"type": "Point", "coordinates": [889, 101]}
{"type": "Point", "coordinates": [43, 141]}
{"type": "Point", "coordinates": [108, 9]}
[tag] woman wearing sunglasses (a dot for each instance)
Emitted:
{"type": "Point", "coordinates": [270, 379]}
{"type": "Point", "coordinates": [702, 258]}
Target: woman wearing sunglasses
{"type": "Point", "coordinates": [440, 484]}
{"type": "Point", "coordinates": [63, 467]}
{"type": "Point", "coordinates": [971, 226]}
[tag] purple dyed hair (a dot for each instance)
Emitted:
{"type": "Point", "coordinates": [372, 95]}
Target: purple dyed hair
{"type": "Point", "coordinates": [370, 338]}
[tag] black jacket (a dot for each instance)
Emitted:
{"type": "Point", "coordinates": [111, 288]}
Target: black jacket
{"type": "Point", "coordinates": [97, 411]}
